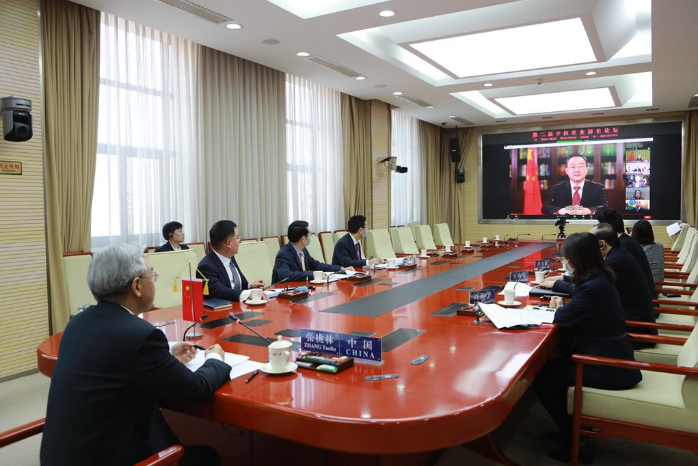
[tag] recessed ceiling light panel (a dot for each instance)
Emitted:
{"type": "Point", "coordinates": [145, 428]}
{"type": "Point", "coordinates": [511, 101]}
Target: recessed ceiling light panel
{"type": "Point", "coordinates": [312, 8]}
{"type": "Point", "coordinates": [590, 73]}
{"type": "Point", "coordinates": [488, 84]}
{"type": "Point", "coordinates": [386, 13]}
{"type": "Point", "coordinates": [545, 45]}
{"type": "Point", "coordinates": [303, 54]}
{"type": "Point", "coordinates": [233, 26]}
{"type": "Point", "coordinates": [567, 101]}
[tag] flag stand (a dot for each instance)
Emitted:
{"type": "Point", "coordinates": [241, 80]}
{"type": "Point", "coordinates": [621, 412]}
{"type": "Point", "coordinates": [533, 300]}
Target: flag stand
{"type": "Point", "coordinates": [195, 334]}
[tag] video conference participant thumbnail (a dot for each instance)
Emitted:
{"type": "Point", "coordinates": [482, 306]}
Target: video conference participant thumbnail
{"type": "Point", "coordinates": [578, 191]}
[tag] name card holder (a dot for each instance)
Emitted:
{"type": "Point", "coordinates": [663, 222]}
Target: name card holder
{"type": "Point", "coordinates": [364, 350]}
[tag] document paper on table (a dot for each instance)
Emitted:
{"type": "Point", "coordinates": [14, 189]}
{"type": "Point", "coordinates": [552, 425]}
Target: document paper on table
{"type": "Point", "coordinates": [506, 318]}
{"type": "Point", "coordinates": [240, 364]}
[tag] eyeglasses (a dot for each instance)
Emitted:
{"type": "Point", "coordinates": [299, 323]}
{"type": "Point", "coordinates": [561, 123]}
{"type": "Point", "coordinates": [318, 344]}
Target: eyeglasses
{"type": "Point", "coordinates": [154, 276]}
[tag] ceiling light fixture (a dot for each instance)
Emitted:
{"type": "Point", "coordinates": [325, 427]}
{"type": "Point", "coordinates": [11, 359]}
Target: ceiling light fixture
{"type": "Point", "coordinates": [397, 93]}
{"type": "Point", "coordinates": [488, 84]}
{"type": "Point", "coordinates": [387, 13]}
{"type": "Point", "coordinates": [303, 54]}
{"type": "Point", "coordinates": [430, 106]}
{"type": "Point", "coordinates": [567, 101]}
{"type": "Point", "coordinates": [233, 26]}
{"type": "Point", "coordinates": [360, 78]}
{"type": "Point", "coordinates": [590, 73]}
{"type": "Point", "coordinates": [451, 116]}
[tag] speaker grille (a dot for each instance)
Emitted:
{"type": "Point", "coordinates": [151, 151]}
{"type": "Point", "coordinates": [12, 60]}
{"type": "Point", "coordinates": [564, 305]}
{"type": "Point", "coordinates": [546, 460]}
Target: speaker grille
{"type": "Point", "coordinates": [197, 10]}
{"type": "Point", "coordinates": [318, 60]}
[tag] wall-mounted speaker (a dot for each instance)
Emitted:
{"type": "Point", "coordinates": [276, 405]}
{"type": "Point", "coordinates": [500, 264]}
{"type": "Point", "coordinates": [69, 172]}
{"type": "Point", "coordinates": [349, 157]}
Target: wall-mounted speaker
{"type": "Point", "coordinates": [454, 149]}
{"type": "Point", "coordinates": [460, 175]}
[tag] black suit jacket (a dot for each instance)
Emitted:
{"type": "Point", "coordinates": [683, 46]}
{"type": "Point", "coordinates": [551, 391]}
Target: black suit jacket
{"type": "Point", "coordinates": [113, 371]}
{"type": "Point", "coordinates": [592, 323]}
{"type": "Point", "coordinates": [593, 197]}
{"type": "Point", "coordinates": [634, 248]}
{"type": "Point", "coordinates": [345, 253]}
{"type": "Point", "coordinates": [218, 282]}
{"type": "Point", "coordinates": [167, 247]}
{"type": "Point", "coordinates": [288, 265]}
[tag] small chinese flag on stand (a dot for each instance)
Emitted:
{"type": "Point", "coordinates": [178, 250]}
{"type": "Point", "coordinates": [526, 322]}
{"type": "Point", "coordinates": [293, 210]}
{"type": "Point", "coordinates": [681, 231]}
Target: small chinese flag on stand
{"type": "Point", "coordinates": [192, 288]}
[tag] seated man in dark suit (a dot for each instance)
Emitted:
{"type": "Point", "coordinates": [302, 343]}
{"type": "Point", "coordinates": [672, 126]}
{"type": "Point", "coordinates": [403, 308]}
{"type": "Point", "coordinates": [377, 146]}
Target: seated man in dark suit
{"type": "Point", "coordinates": [615, 219]}
{"type": "Point", "coordinates": [294, 262]}
{"type": "Point", "coordinates": [115, 369]}
{"type": "Point", "coordinates": [225, 279]}
{"type": "Point", "coordinates": [347, 251]}
{"type": "Point", "coordinates": [578, 191]}
{"type": "Point", "coordinates": [635, 297]}
{"type": "Point", "coordinates": [173, 233]}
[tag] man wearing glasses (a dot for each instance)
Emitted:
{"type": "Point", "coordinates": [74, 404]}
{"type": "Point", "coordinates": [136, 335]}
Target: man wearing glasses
{"type": "Point", "coordinates": [578, 196]}
{"type": "Point", "coordinates": [114, 370]}
{"type": "Point", "coordinates": [347, 251]}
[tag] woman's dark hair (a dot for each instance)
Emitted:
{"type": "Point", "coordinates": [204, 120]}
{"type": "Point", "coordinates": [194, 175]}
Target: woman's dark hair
{"type": "Point", "coordinates": [169, 228]}
{"type": "Point", "coordinates": [583, 253]}
{"type": "Point", "coordinates": [643, 233]}
{"type": "Point", "coordinates": [635, 194]}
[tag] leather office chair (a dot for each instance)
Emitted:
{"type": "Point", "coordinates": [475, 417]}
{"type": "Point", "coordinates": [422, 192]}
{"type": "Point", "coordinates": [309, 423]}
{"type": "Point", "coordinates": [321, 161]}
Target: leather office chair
{"type": "Point", "coordinates": [253, 259]}
{"type": "Point", "coordinates": [424, 238]}
{"type": "Point", "coordinates": [662, 409]}
{"type": "Point", "coordinates": [378, 244]}
{"type": "Point", "coordinates": [273, 247]}
{"type": "Point", "coordinates": [170, 455]}
{"type": "Point", "coordinates": [442, 235]}
{"type": "Point", "coordinates": [169, 266]}
{"type": "Point", "coordinates": [403, 241]}
{"type": "Point", "coordinates": [667, 347]}
{"type": "Point", "coordinates": [75, 267]}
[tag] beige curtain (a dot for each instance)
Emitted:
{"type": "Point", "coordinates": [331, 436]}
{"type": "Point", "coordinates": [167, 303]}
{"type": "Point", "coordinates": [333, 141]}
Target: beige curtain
{"type": "Point", "coordinates": [690, 173]}
{"type": "Point", "coordinates": [356, 132]}
{"type": "Point", "coordinates": [70, 57]}
{"type": "Point", "coordinates": [243, 143]}
{"type": "Point", "coordinates": [445, 197]}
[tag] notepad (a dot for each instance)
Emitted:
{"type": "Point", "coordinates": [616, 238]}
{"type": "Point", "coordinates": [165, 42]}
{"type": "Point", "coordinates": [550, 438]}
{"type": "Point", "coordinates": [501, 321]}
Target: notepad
{"type": "Point", "coordinates": [507, 318]}
{"type": "Point", "coordinates": [240, 364]}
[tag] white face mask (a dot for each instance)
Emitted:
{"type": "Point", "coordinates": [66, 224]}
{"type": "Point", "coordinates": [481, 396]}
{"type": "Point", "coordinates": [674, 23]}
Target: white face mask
{"type": "Point", "coordinates": [365, 233]}
{"type": "Point", "coordinates": [568, 270]}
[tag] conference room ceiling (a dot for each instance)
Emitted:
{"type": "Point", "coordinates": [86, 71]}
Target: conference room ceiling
{"type": "Point", "coordinates": [533, 55]}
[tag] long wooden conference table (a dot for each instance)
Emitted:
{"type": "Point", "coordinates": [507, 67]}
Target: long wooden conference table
{"type": "Point", "coordinates": [474, 376]}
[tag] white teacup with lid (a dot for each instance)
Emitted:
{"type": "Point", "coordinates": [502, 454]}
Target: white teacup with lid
{"type": "Point", "coordinates": [279, 354]}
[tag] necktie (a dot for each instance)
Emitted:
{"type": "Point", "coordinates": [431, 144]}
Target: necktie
{"type": "Point", "coordinates": [576, 198]}
{"type": "Point", "coordinates": [358, 251]}
{"type": "Point", "coordinates": [236, 277]}
{"type": "Point", "coordinates": [300, 255]}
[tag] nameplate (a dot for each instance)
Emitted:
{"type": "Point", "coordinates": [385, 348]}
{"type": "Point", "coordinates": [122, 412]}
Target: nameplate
{"type": "Point", "coordinates": [521, 276]}
{"type": "Point", "coordinates": [543, 264]}
{"type": "Point", "coordinates": [482, 296]}
{"type": "Point", "coordinates": [342, 344]}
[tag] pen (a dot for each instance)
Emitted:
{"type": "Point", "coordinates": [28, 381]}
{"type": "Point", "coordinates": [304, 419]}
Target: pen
{"type": "Point", "coordinates": [251, 375]}
{"type": "Point", "coordinates": [199, 347]}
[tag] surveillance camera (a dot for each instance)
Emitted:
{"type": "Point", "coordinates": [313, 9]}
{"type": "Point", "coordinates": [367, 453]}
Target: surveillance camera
{"type": "Point", "coordinates": [17, 119]}
{"type": "Point", "coordinates": [443, 123]}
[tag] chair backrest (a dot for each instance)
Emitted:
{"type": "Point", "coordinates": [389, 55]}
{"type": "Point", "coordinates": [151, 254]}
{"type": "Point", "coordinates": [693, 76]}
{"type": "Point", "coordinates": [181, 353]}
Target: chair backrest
{"type": "Point", "coordinates": [169, 265]}
{"type": "Point", "coordinates": [688, 357]}
{"type": "Point", "coordinates": [315, 250]}
{"type": "Point", "coordinates": [413, 226]}
{"type": "Point", "coordinates": [678, 244]}
{"type": "Point", "coordinates": [442, 235]}
{"type": "Point", "coordinates": [403, 241]}
{"type": "Point", "coordinates": [688, 245]}
{"type": "Point", "coordinates": [151, 249]}
{"type": "Point", "coordinates": [75, 268]}
{"type": "Point", "coordinates": [690, 261]}
{"type": "Point", "coordinates": [253, 259]}
{"type": "Point", "coordinates": [338, 235]}
{"type": "Point", "coordinates": [379, 245]}
{"type": "Point", "coordinates": [424, 238]}
{"type": "Point", "coordinates": [273, 247]}
{"type": "Point", "coordinates": [199, 249]}
{"type": "Point", "coordinates": [327, 243]}
{"type": "Point", "coordinates": [284, 240]}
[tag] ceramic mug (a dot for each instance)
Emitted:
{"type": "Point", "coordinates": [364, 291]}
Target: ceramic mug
{"type": "Point", "coordinates": [509, 296]}
{"type": "Point", "coordinates": [540, 275]}
{"type": "Point", "coordinates": [467, 244]}
{"type": "Point", "coordinates": [256, 294]}
{"type": "Point", "coordinates": [318, 276]}
{"type": "Point", "coordinates": [391, 262]}
{"type": "Point", "coordinates": [279, 354]}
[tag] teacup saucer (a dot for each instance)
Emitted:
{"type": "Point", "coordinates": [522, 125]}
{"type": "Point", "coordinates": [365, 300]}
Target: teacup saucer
{"type": "Point", "coordinates": [290, 367]}
{"type": "Point", "coordinates": [423, 257]}
{"type": "Point", "coordinates": [318, 282]}
{"type": "Point", "coordinates": [395, 267]}
{"type": "Point", "coordinates": [249, 302]}
{"type": "Point", "coordinates": [511, 304]}
{"type": "Point", "coordinates": [535, 282]}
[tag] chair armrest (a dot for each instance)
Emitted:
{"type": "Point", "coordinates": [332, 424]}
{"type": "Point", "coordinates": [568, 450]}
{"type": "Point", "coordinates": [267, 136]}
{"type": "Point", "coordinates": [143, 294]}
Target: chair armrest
{"type": "Point", "coordinates": [675, 303]}
{"type": "Point", "coordinates": [660, 326]}
{"type": "Point", "coordinates": [673, 267]}
{"type": "Point", "coordinates": [666, 340]}
{"type": "Point", "coordinates": [581, 359]}
{"type": "Point", "coordinates": [167, 456]}
{"type": "Point", "coordinates": [20, 433]}
{"type": "Point", "coordinates": [668, 291]}
{"type": "Point", "coordinates": [681, 284]}
{"type": "Point", "coordinates": [675, 311]}
{"type": "Point", "coordinates": [674, 274]}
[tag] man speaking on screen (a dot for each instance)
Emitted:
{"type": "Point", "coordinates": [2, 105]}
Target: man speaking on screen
{"type": "Point", "coordinates": [578, 196]}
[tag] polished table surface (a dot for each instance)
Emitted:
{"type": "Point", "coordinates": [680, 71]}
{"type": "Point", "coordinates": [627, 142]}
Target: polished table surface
{"type": "Point", "coordinates": [474, 376]}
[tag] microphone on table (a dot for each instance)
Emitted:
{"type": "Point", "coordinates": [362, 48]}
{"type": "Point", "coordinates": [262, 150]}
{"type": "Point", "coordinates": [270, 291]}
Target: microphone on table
{"type": "Point", "coordinates": [274, 284]}
{"type": "Point", "coordinates": [522, 234]}
{"type": "Point", "coordinates": [237, 319]}
{"type": "Point", "coordinates": [203, 317]}
{"type": "Point", "coordinates": [542, 238]}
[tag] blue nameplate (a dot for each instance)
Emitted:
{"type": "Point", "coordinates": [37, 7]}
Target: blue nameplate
{"type": "Point", "coordinates": [482, 296]}
{"type": "Point", "coordinates": [519, 276]}
{"type": "Point", "coordinates": [543, 264]}
{"type": "Point", "coordinates": [342, 344]}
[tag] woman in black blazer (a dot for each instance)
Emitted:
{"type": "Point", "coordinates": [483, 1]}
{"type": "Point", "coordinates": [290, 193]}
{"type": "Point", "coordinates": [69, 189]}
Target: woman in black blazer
{"type": "Point", "coordinates": [590, 323]}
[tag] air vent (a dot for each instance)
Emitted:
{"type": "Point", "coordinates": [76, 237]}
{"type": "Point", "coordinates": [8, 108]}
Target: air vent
{"type": "Point", "coordinates": [318, 60]}
{"type": "Point", "coordinates": [463, 121]}
{"type": "Point", "coordinates": [198, 10]}
{"type": "Point", "coordinates": [414, 100]}
{"type": "Point", "coordinates": [547, 118]}
{"type": "Point", "coordinates": [693, 102]}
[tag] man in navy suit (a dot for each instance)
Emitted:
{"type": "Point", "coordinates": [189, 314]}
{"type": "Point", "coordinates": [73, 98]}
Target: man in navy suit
{"type": "Point", "coordinates": [347, 251]}
{"type": "Point", "coordinates": [174, 235]}
{"type": "Point", "coordinates": [225, 279]}
{"type": "Point", "coordinates": [578, 191]}
{"type": "Point", "coordinates": [294, 262]}
{"type": "Point", "coordinates": [115, 369]}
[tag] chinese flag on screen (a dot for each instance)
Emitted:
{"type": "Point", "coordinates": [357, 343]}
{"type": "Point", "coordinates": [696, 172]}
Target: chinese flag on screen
{"type": "Point", "coordinates": [192, 288]}
{"type": "Point", "coordinates": [532, 201]}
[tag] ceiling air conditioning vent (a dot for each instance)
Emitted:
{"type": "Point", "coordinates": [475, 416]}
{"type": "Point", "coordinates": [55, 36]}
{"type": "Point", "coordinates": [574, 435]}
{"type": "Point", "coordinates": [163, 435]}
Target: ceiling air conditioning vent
{"type": "Point", "coordinates": [198, 10]}
{"type": "Point", "coordinates": [413, 100]}
{"type": "Point", "coordinates": [463, 121]}
{"type": "Point", "coordinates": [318, 60]}
{"type": "Point", "coordinates": [693, 102]}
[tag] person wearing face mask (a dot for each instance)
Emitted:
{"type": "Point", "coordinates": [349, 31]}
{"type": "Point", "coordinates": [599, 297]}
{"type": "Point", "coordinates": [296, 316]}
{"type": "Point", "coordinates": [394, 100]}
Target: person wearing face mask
{"type": "Point", "coordinates": [347, 251]}
{"type": "Point", "coordinates": [591, 323]}
{"type": "Point", "coordinates": [294, 262]}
